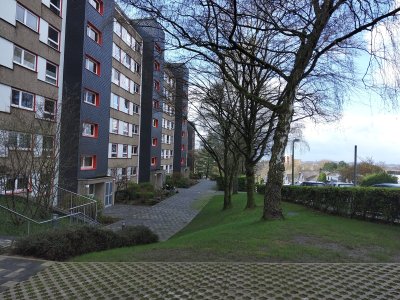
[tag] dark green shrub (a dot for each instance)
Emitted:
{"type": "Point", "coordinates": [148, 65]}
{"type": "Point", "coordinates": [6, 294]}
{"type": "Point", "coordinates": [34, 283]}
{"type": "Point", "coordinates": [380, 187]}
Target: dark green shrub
{"type": "Point", "coordinates": [122, 196]}
{"type": "Point", "coordinates": [137, 235]}
{"type": "Point", "coordinates": [61, 244]}
{"type": "Point", "coordinates": [179, 181]}
{"type": "Point", "coordinates": [378, 178]}
{"type": "Point", "coordinates": [260, 188]}
{"type": "Point", "coordinates": [355, 202]}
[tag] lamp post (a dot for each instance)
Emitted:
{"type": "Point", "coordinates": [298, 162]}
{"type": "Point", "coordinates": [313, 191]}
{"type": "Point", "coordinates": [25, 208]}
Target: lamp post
{"type": "Point", "coordinates": [293, 141]}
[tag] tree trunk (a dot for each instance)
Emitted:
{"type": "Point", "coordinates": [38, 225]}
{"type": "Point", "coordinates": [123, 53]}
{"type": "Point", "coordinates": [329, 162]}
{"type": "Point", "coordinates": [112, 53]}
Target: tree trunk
{"type": "Point", "coordinates": [227, 197]}
{"type": "Point", "coordinates": [250, 186]}
{"type": "Point", "coordinates": [273, 196]}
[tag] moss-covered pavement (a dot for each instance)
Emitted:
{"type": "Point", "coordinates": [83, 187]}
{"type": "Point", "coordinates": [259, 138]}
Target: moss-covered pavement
{"type": "Point", "coordinates": [210, 281]}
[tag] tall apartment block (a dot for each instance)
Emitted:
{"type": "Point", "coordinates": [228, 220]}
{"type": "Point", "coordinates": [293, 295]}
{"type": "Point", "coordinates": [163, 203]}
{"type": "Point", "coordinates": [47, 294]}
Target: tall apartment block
{"type": "Point", "coordinates": [101, 119]}
{"type": "Point", "coordinates": [31, 68]}
{"type": "Point", "coordinates": [152, 101]}
{"type": "Point", "coordinates": [115, 110]}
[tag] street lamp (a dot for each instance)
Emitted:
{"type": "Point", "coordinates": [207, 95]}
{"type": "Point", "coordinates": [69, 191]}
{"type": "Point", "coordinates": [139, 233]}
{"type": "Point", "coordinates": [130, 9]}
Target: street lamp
{"type": "Point", "coordinates": [293, 141]}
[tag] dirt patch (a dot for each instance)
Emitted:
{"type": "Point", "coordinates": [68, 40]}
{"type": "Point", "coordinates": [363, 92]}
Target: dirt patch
{"type": "Point", "coordinates": [359, 254]}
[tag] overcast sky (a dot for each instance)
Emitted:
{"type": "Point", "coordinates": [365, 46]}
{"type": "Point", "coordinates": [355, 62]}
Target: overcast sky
{"type": "Point", "coordinates": [367, 123]}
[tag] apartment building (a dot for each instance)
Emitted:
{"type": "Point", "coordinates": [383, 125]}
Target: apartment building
{"type": "Point", "coordinates": [168, 122]}
{"type": "Point", "coordinates": [152, 101]}
{"type": "Point", "coordinates": [86, 99]}
{"type": "Point", "coordinates": [31, 68]}
{"type": "Point", "coordinates": [123, 152]}
{"type": "Point", "coordinates": [181, 75]}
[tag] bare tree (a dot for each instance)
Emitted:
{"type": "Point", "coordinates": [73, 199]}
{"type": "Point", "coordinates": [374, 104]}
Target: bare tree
{"type": "Point", "coordinates": [310, 48]}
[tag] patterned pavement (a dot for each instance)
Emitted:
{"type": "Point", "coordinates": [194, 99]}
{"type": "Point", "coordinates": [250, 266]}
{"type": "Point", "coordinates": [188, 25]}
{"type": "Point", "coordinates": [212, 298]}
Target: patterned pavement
{"type": "Point", "coordinates": [210, 281]}
{"type": "Point", "coordinates": [167, 217]}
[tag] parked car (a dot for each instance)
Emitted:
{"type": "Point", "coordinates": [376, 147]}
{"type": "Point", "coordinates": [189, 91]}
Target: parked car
{"type": "Point", "coordinates": [387, 185]}
{"type": "Point", "coordinates": [343, 184]}
{"type": "Point", "coordinates": [312, 183]}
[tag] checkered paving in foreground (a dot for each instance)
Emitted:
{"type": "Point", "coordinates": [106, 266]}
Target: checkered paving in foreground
{"type": "Point", "coordinates": [210, 281]}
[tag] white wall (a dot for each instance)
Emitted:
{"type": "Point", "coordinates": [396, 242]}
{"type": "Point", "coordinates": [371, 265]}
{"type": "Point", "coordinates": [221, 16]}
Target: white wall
{"type": "Point", "coordinates": [8, 11]}
{"type": "Point", "coordinates": [6, 53]}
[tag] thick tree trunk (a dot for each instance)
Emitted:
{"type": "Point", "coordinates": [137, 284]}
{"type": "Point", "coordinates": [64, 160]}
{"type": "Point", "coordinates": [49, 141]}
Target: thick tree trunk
{"type": "Point", "coordinates": [250, 186]}
{"type": "Point", "coordinates": [273, 196]}
{"type": "Point", "coordinates": [227, 196]}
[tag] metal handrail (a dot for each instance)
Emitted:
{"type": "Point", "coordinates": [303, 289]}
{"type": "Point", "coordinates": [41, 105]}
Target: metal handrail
{"type": "Point", "coordinates": [41, 222]}
{"type": "Point", "coordinates": [81, 196]}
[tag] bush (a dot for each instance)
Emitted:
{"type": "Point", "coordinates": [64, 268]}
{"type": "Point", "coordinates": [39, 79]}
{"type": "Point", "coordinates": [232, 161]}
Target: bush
{"type": "Point", "coordinates": [61, 244]}
{"type": "Point", "coordinates": [242, 185]}
{"type": "Point", "coordinates": [355, 202]}
{"type": "Point", "coordinates": [378, 178]}
{"type": "Point", "coordinates": [179, 181]}
{"type": "Point", "coordinates": [137, 235]}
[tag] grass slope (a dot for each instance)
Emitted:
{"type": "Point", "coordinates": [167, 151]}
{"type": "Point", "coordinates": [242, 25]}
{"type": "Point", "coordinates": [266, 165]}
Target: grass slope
{"type": "Point", "coordinates": [240, 235]}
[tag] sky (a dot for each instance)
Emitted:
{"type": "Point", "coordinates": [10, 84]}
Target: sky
{"type": "Point", "coordinates": [367, 123]}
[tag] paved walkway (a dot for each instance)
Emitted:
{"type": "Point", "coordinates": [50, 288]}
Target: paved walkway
{"type": "Point", "coordinates": [211, 281]}
{"type": "Point", "coordinates": [167, 217]}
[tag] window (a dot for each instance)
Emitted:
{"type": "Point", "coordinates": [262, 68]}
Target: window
{"type": "Point", "coordinates": [117, 27]}
{"type": "Point", "coordinates": [124, 150]}
{"type": "Point", "coordinates": [138, 47]}
{"type": "Point", "coordinates": [114, 150]}
{"type": "Point", "coordinates": [125, 108]}
{"type": "Point", "coordinates": [48, 143]}
{"type": "Point", "coordinates": [125, 36]}
{"type": "Point", "coordinates": [90, 130]}
{"type": "Point", "coordinates": [22, 99]}
{"type": "Point", "coordinates": [91, 97]}
{"type": "Point", "coordinates": [135, 67]}
{"type": "Point", "coordinates": [49, 111]}
{"type": "Point", "coordinates": [51, 73]}
{"type": "Point", "coordinates": [18, 140]}
{"type": "Point", "coordinates": [182, 161]}
{"type": "Point", "coordinates": [94, 33]}
{"type": "Point", "coordinates": [183, 147]}
{"type": "Point", "coordinates": [183, 134]}
{"type": "Point", "coordinates": [97, 5]}
{"type": "Point", "coordinates": [153, 161]}
{"type": "Point", "coordinates": [125, 128]}
{"type": "Point", "coordinates": [28, 18]}
{"type": "Point", "coordinates": [114, 101]}
{"type": "Point", "coordinates": [126, 60]}
{"type": "Point", "coordinates": [156, 85]}
{"type": "Point", "coordinates": [136, 88]}
{"type": "Point", "coordinates": [24, 58]}
{"type": "Point", "coordinates": [154, 142]}
{"type": "Point", "coordinates": [133, 171]}
{"type": "Point", "coordinates": [135, 129]}
{"type": "Point", "coordinates": [135, 150]}
{"type": "Point", "coordinates": [156, 66]}
{"type": "Point", "coordinates": [53, 38]}
{"type": "Point", "coordinates": [135, 108]}
{"type": "Point", "coordinates": [114, 126]}
{"type": "Point", "coordinates": [55, 6]}
{"type": "Point", "coordinates": [88, 162]}
{"type": "Point", "coordinates": [92, 65]}
{"type": "Point", "coordinates": [115, 76]}
{"type": "Point", "coordinates": [116, 52]}
{"type": "Point", "coordinates": [155, 123]}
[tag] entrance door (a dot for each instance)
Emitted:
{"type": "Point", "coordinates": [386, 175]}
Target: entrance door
{"type": "Point", "coordinates": [108, 197]}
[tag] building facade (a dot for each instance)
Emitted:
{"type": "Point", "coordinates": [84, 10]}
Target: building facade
{"type": "Point", "coordinates": [31, 68]}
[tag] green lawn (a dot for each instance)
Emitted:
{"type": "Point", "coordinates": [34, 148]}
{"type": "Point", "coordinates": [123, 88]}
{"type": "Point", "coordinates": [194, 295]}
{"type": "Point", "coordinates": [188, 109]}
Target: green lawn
{"type": "Point", "coordinates": [239, 235]}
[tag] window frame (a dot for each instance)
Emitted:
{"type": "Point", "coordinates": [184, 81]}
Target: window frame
{"type": "Point", "coordinates": [154, 160]}
{"type": "Point", "coordinates": [24, 21]}
{"type": "Point", "coordinates": [135, 150]}
{"type": "Point", "coordinates": [93, 127]}
{"type": "Point", "coordinates": [114, 154]}
{"type": "Point", "coordinates": [97, 33]}
{"type": "Point", "coordinates": [155, 123]}
{"type": "Point", "coordinates": [154, 142]}
{"type": "Point", "coordinates": [46, 114]}
{"type": "Point", "coordinates": [96, 63]}
{"type": "Point", "coordinates": [87, 91]}
{"type": "Point", "coordinates": [49, 78]}
{"type": "Point", "coordinates": [125, 150]}
{"type": "Point", "coordinates": [54, 8]}
{"type": "Point", "coordinates": [50, 40]}
{"type": "Point", "coordinates": [87, 167]}
{"type": "Point", "coordinates": [22, 64]}
{"type": "Point", "coordinates": [20, 97]}
{"type": "Point", "coordinates": [100, 8]}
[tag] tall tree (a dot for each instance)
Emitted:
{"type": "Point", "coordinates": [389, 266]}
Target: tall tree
{"type": "Point", "coordinates": [310, 48]}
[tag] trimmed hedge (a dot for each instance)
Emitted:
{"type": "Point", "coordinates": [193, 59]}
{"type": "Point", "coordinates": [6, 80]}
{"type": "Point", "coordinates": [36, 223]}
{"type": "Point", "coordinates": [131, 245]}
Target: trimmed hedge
{"type": "Point", "coordinates": [377, 204]}
{"type": "Point", "coordinates": [61, 244]}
